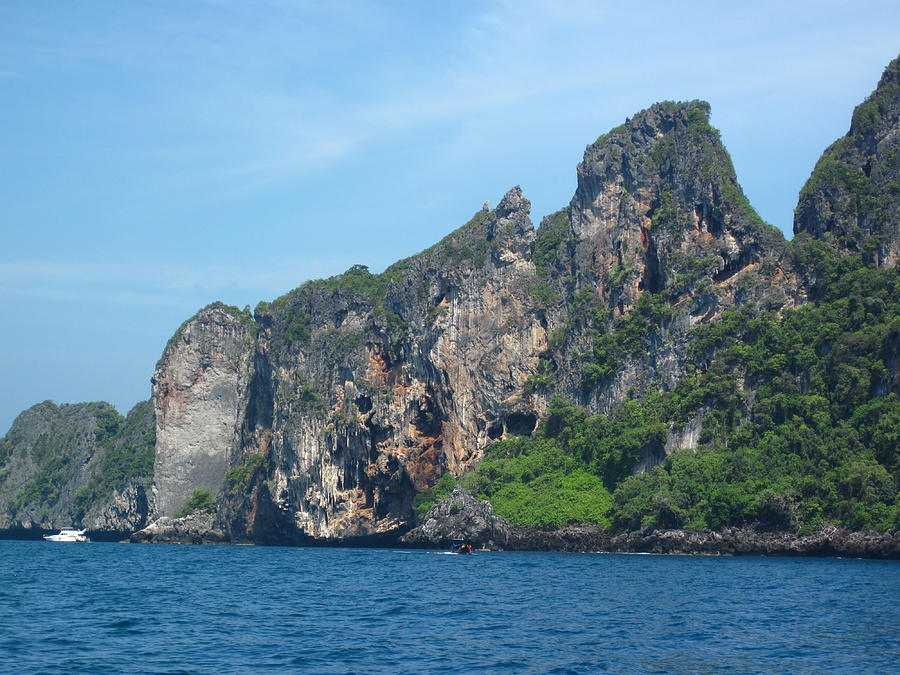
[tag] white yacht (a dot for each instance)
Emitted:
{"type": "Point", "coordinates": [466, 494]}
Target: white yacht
{"type": "Point", "coordinates": [67, 534]}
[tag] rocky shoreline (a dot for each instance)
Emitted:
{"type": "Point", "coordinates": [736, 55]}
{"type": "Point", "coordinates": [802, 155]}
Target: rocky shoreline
{"type": "Point", "coordinates": [196, 528]}
{"type": "Point", "coordinates": [460, 514]}
{"type": "Point", "coordinates": [826, 542]}
{"type": "Point", "coordinates": [744, 541]}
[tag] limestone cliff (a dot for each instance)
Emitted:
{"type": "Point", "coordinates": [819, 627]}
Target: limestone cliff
{"type": "Point", "coordinates": [368, 387]}
{"type": "Point", "coordinates": [659, 214]}
{"type": "Point", "coordinates": [852, 198]}
{"type": "Point", "coordinates": [352, 394]}
{"type": "Point", "coordinates": [199, 396]}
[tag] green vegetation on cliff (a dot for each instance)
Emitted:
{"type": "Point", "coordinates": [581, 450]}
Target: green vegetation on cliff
{"type": "Point", "coordinates": [62, 461]}
{"type": "Point", "coordinates": [533, 481]}
{"type": "Point", "coordinates": [245, 316]}
{"type": "Point", "coordinates": [626, 337]}
{"type": "Point", "coordinates": [128, 451]}
{"type": "Point", "coordinates": [553, 235]}
{"type": "Point", "coordinates": [238, 478]}
{"type": "Point", "coordinates": [201, 500]}
{"type": "Point", "coordinates": [800, 428]}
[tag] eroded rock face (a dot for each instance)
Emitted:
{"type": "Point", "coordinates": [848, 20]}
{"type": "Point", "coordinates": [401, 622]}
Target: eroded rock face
{"type": "Point", "coordinates": [361, 390]}
{"type": "Point", "coordinates": [851, 199]}
{"type": "Point", "coordinates": [199, 396]}
{"type": "Point", "coordinates": [658, 207]}
{"type": "Point", "coordinates": [460, 515]}
{"type": "Point", "coordinates": [127, 510]}
{"type": "Point", "coordinates": [375, 386]}
{"type": "Point", "coordinates": [659, 211]}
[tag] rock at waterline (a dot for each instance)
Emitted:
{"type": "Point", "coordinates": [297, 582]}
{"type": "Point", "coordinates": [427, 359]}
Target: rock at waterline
{"type": "Point", "coordinates": [195, 528]}
{"type": "Point", "coordinates": [460, 515]}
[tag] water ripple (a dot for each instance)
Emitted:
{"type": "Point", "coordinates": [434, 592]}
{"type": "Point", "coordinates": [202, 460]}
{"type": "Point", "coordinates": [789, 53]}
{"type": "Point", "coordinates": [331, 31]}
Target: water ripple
{"type": "Point", "coordinates": [109, 608]}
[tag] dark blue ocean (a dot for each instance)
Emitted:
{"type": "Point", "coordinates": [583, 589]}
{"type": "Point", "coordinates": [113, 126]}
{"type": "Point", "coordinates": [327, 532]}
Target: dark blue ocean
{"type": "Point", "coordinates": [117, 608]}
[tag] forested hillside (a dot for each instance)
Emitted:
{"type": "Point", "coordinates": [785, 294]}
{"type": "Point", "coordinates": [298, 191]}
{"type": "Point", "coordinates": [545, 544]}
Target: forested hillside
{"type": "Point", "coordinates": [799, 426]}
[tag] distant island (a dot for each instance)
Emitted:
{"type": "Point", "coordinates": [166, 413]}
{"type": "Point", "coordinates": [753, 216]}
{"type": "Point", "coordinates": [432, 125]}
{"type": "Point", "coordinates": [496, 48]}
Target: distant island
{"type": "Point", "coordinates": [652, 368]}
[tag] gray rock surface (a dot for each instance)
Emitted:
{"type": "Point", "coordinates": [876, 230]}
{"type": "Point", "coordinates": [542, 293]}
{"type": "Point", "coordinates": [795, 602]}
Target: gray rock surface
{"type": "Point", "coordinates": [125, 511]}
{"type": "Point", "coordinates": [195, 528]}
{"type": "Point", "coordinates": [460, 515]}
{"type": "Point", "coordinates": [199, 391]}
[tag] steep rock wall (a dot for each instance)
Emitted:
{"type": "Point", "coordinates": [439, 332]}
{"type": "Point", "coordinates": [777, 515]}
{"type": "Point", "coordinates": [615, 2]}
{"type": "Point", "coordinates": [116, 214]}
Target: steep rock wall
{"type": "Point", "coordinates": [658, 212]}
{"type": "Point", "coordinates": [379, 384]}
{"type": "Point", "coordinates": [199, 395]}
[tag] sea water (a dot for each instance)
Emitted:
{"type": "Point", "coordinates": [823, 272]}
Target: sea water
{"type": "Point", "coordinates": [117, 608]}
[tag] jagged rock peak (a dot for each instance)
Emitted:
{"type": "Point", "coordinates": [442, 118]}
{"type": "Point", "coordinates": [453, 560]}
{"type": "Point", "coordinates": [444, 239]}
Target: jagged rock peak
{"type": "Point", "coordinates": [215, 313]}
{"type": "Point", "coordinates": [660, 118]}
{"type": "Point", "coordinates": [668, 157]}
{"type": "Point", "coordinates": [852, 197]}
{"type": "Point", "coordinates": [656, 192]}
{"type": "Point", "coordinates": [514, 200]}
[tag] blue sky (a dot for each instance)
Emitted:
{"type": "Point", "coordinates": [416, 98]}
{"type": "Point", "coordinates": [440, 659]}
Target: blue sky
{"type": "Point", "coordinates": [160, 155]}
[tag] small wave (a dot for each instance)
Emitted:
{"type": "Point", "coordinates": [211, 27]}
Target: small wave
{"type": "Point", "coordinates": [123, 623]}
{"type": "Point", "coordinates": [364, 611]}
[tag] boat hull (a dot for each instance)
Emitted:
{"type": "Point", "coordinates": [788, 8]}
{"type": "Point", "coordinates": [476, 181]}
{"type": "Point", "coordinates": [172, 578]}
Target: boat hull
{"type": "Point", "coordinates": [68, 536]}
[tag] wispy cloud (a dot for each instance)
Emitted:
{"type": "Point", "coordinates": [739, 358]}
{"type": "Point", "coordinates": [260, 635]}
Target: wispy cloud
{"type": "Point", "coordinates": [252, 97]}
{"type": "Point", "coordinates": [146, 284]}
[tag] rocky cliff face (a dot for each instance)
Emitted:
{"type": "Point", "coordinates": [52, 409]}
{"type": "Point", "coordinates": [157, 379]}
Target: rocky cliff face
{"type": "Point", "coordinates": [199, 396]}
{"type": "Point", "coordinates": [369, 387]}
{"type": "Point", "coordinates": [81, 465]}
{"type": "Point", "coordinates": [658, 214]}
{"type": "Point", "coordinates": [362, 389]}
{"type": "Point", "coordinates": [658, 207]}
{"type": "Point", "coordinates": [852, 198]}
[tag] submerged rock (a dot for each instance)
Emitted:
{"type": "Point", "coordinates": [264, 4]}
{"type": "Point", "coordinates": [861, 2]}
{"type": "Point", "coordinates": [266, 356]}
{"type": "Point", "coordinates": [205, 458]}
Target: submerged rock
{"type": "Point", "coordinates": [460, 515]}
